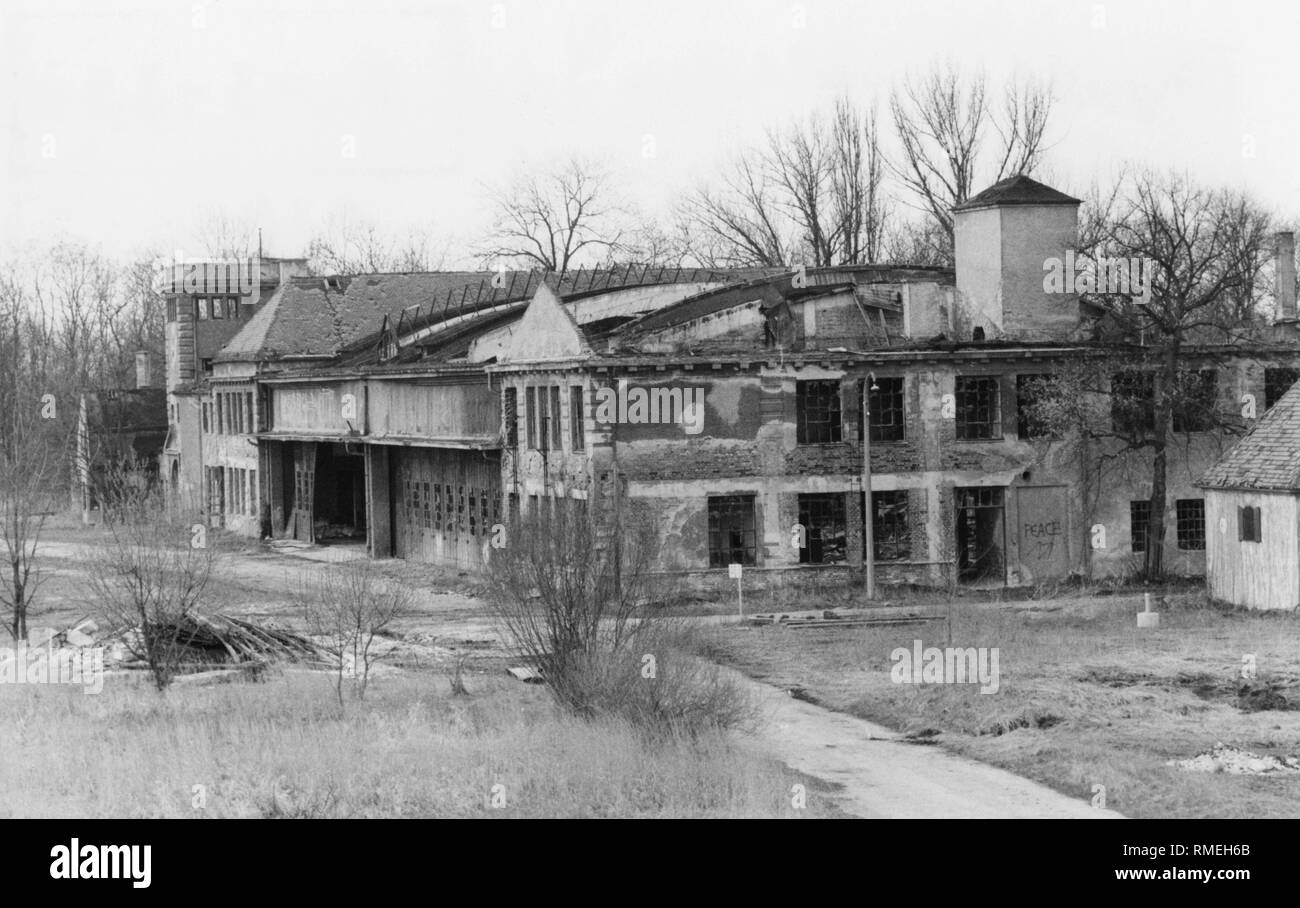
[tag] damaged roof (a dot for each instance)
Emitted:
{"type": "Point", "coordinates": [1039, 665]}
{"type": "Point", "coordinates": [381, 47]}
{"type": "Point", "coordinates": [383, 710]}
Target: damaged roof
{"type": "Point", "coordinates": [317, 316]}
{"type": "Point", "coordinates": [1268, 456]}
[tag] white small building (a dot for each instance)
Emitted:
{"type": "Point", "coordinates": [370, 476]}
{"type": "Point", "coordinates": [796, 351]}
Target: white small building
{"type": "Point", "coordinates": [1252, 513]}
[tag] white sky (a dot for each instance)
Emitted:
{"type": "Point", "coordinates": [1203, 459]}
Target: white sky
{"type": "Point", "coordinates": [126, 122]}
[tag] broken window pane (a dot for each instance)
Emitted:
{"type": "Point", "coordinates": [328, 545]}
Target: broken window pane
{"type": "Point", "coordinates": [732, 530]}
{"type": "Point", "coordinates": [979, 407]}
{"type": "Point", "coordinates": [822, 517]}
{"type": "Point", "coordinates": [818, 404]}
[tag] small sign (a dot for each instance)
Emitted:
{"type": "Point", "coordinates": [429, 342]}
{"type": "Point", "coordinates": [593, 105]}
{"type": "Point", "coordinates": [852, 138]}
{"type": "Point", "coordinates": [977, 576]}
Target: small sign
{"type": "Point", "coordinates": [733, 571]}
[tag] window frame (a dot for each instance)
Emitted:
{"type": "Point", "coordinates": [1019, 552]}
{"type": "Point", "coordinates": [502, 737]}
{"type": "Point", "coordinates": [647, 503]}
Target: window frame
{"type": "Point", "coordinates": [738, 507]}
{"type": "Point", "coordinates": [829, 504]}
{"type": "Point", "coordinates": [1139, 514]}
{"type": "Point", "coordinates": [819, 408]}
{"type": "Point", "coordinates": [577, 419]}
{"type": "Point", "coordinates": [1250, 524]}
{"type": "Point", "coordinates": [993, 420]}
{"type": "Point", "coordinates": [889, 529]}
{"type": "Point", "coordinates": [891, 403]}
{"type": "Point", "coordinates": [1190, 526]}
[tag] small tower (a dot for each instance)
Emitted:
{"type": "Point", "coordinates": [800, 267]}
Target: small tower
{"type": "Point", "coordinates": [1003, 237]}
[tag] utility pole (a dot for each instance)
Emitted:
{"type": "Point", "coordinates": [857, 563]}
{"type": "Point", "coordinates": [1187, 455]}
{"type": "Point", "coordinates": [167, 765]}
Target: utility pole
{"type": "Point", "coordinates": [868, 510]}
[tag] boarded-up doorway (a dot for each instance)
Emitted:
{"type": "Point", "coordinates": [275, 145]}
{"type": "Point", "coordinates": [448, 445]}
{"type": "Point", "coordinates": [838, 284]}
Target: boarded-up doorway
{"type": "Point", "coordinates": [981, 534]}
{"type": "Point", "coordinates": [1041, 532]}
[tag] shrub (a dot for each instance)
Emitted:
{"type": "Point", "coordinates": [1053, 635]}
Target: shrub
{"type": "Point", "coordinates": [576, 593]}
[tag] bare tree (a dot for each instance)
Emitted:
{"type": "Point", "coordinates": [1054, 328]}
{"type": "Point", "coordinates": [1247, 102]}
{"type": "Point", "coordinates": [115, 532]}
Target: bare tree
{"type": "Point", "coordinates": [1206, 249]}
{"type": "Point", "coordinates": [860, 210]}
{"type": "Point", "coordinates": [348, 246]}
{"type": "Point", "coordinates": [576, 591]}
{"type": "Point", "coordinates": [740, 223]}
{"type": "Point", "coordinates": [150, 578]}
{"type": "Point", "coordinates": [814, 192]}
{"type": "Point", "coordinates": [942, 120]}
{"type": "Point", "coordinates": [31, 458]}
{"type": "Point", "coordinates": [223, 236]}
{"type": "Point", "coordinates": [553, 219]}
{"type": "Point", "coordinates": [350, 610]}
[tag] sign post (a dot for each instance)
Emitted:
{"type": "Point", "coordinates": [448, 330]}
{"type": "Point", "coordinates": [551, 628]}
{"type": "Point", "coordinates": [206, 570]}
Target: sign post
{"type": "Point", "coordinates": [734, 571]}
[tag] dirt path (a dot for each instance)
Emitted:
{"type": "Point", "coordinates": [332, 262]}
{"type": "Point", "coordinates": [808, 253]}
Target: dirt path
{"type": "Point", "coordinates": [881, 776]}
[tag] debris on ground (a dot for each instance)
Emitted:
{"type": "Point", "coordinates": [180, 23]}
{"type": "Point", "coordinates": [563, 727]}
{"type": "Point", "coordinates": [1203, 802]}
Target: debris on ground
{"type": "Point", "coordinates": [1234, 761]}
{"type": "Point", "coordinates": [526, 674]}
{"type": "Point", "coordinates": [834, 618]}
{"type": "Point", "coordinates": [219, 640]}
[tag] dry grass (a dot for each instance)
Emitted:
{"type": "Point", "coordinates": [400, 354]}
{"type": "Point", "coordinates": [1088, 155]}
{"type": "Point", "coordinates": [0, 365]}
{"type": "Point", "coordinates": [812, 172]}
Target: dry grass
{"type": "Point", "coordinates": [283, 748]}
{"type": "Point", "coordinates": [1085, 698]}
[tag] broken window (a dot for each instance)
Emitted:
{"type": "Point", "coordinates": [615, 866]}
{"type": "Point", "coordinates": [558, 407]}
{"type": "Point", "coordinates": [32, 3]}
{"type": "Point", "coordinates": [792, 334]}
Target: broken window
{"type": "Point", "coordinates": [885, 410]}
{"type": "Point", "coordinates": [543, 420]}
{"type": "Point", "coordinates": [981, 533]}
{"type": "Point", "coordinates": [530, 416]}
{"type": "Point", "coordinates": [1194, 401]}
{"type": "Point", "coordinates": [576, 420]}
{"type": "Point", "coordinates": [557, 426]}
{"type": "Point", "coordinates": [891, 538]}
{"type": "Point", "coordinates": [1248, 525]}
{"type": "Point", "coordinates": [1190, 514]}
{"type": "Point", "coordinates": [1139, 519]}
{"type": "Point", "coordinates": [1031, 393]}
{"type": "Point", "coordinates": [1133, 402]}
{"type": "Point", "coordinates": [818, 404]}
{"type": "Point", "coordinates": [979, 407]}
{"type": "Point", "coordinates": [1277, 382]}
{"type": "Point", "coordinates": [510, 409]}
{"type": "Point", "coordinates": [822, 517]}
{"type": "Point", "coordinates": [732, 530]}
{"type": "Point", "coordinates": [201, 308]}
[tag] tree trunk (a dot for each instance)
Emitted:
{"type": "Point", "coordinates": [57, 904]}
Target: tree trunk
{"type": "Point", "coordinates": [1153, 568]}
{"type": "Point", "coordinates": [1154, 562]}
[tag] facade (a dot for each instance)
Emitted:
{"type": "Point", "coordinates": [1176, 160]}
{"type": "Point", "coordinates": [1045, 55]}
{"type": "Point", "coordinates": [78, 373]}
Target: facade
{"type": "Point", "coordinates": [203, 316]}
{"type": "Point", "coordinates": [116, 428]}
{"type": "Point", "coordinates": [804, 423]}
{"type": "Point", "coordinates": [1252, 506]}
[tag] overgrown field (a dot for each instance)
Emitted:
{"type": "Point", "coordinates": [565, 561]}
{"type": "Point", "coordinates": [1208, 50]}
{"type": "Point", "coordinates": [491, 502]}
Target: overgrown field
{"type": "Point", "coordinates": [282, 748]}
{"type": "Point", "coordinates": [1084, 698]}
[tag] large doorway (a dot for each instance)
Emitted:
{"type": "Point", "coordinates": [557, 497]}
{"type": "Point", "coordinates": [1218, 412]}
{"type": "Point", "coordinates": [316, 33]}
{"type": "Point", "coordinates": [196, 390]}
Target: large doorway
{"type": "Point", "coordinates": [981, 535]}
{"type": "Point", "coordinates": [445, 503]}
{"type": "Point", "coordinates": [338, 494]}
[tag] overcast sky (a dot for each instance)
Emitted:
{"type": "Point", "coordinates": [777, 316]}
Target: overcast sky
{"type": "Point", "coordinates": [125, 123]}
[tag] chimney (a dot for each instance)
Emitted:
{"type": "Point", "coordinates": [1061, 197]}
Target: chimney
{"type": "Point", "coordinates": [1285, 267]}
{"type": "Point", "coordinates": [143, 369]}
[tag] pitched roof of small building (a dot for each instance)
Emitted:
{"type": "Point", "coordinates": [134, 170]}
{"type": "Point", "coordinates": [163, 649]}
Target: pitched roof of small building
{"type": "Point", "coordinates": [1268, 456]}
{"type": "Point", "coordinates": [1017, 190]}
